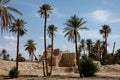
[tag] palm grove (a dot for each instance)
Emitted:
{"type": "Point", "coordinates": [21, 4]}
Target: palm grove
{"type": "Point", "coordinates": [94, 50]}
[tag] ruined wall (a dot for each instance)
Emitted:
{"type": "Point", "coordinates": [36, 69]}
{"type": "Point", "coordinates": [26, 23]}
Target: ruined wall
{"type": "Point", "coordinates": [53, 61]}
{"type": "Point", "coordinates": [56, 52]}
{"type": "Point", "coordinates": [67, 60]}
{"type": "Point", "coordinates": [60, 58]}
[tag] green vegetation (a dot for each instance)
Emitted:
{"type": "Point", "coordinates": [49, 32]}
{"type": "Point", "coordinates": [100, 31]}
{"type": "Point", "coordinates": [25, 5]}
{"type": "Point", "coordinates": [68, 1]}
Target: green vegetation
{"type": "Point", "coordinates": [13, 73]}
{"type": "Point", "coordinates": [87, 67]}
{"type": "Point", "coordinates": [4, 55]}
{"type": "Point", "coordinates": [21, 58]}
{"type": "Point", "coordinates": [30, 47]}
{"type": "Point", "coordinates": [6, 17]}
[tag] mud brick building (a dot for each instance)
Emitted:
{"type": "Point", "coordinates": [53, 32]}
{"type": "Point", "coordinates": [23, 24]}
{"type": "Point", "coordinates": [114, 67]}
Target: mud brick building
{"type": "Point", "coordinates": [61, 58]}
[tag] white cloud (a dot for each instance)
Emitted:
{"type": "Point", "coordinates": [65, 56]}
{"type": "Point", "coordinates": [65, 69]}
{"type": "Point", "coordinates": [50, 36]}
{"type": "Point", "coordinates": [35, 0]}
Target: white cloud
{"type": "Point", "coordinates": [10, 47]}
{"type": "Point", "coordinates": [57, 13]}
{"type": "Point", "coordinates": [93, 34]}
{"type": "Point", "coordinates": [9, 38]}
{"type": "Point", "coordinates": [100, 15]}
{"type": "Point", "coordinates": [104, 16]}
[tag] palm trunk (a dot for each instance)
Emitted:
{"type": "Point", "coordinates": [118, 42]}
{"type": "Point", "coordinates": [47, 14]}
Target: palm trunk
{"type": "Point", "coordinates": [34, 55]}
{"type": "Point", "coordinates": [31, 56]}
{"type": "Point", "coordinates": [77, 55]}
{"type": "Point", "coordinates": [45, 43]}
{"type": "Point", "coordinates": [106, 45]}
{"type": "Point", "coordinates": [51, 54]}
{"type": "Point", "coordinates": [89, 50]}
{"type": "Point", "coordinates": [17, 50]}
{"type": "Point", "coordinates": [43, 68]}
{"type": "Point", "coordinates": [84, 51]}
{"type": "Point", "coordinates": [113, 48]}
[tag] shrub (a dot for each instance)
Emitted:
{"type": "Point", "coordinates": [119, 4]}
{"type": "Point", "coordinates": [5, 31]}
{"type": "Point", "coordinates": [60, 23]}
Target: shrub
{"type": "Point", "coordinates": [87, 67]}
{"type": "Point", "coordinates": [13, 73]}
{"type": "Point", "coordinates": [108, 59]}
{"type": "Point", "coordinates": [21, 59]}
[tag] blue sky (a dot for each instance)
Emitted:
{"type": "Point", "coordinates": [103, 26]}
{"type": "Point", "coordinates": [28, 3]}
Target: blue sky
{"type": "Point", "coordinates": [95, 12]}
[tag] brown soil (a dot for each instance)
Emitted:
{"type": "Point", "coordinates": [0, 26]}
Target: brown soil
{"type": "Point", "coordinates": [33, 71]}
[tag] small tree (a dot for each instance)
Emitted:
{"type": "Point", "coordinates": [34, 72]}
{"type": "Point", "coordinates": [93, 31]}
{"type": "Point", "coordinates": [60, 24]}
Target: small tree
{"type": "Point", "coordinates": [87, 67]}
{"type": "Point", "coordinates": [13, 73]}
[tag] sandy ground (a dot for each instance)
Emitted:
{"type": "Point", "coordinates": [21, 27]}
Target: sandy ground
{"type": "Point", "coordinates": [33, 71]}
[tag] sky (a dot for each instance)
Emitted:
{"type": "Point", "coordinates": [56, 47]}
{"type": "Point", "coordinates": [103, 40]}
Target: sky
{"type": "Point", "coordinates": [95, 12]}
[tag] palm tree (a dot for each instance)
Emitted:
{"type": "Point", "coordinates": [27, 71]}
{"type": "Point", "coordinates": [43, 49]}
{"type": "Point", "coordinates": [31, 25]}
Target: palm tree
{"type": "Point", "coordinates": [74, 24]}
{"type": "Point", "coordinates": [44, 12]}
{"type": "Point", "coordinates": [30, 47]}
{"type": "Point", "coordinates": [82, 44]}
{"type": "Point", "coordinates": [89, 45]}
{"type": "Point", "coordinates": [105, 31]}
{"type": "Point", "coordinates": [97, 49]}
{"type": "Point", "coordinates": [18, 28]}
{"type": "Point", "coordinates": [51, 29]}
{"type": "Point", "coordinates": [5, 16]}
{"type": "Point", "coordinates": [103, 51]}
{"type": "Point", "coordinates": [4, 55]}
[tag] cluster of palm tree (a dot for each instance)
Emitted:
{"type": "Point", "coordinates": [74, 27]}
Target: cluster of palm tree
{"type": "Point", "coordinates": [72, 31]}
{"type": "Point", "coordinates": [98, 49]}
{"type": "Point", "coordinates": [8, 21]}
{"type": "Point", "coordinates": [4, 55]}
{"type": "Point", "coordinates": [44, 12]}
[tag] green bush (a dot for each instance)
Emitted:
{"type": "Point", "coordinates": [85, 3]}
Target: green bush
{"type": "Point", "coordinates": [13, 73]}
{"type": "Point", "coordinates": [117, 60]}
{"type": "Point", "coordinates": [21, 59]}
{"type": "Point", "coordinates": [87, 67]}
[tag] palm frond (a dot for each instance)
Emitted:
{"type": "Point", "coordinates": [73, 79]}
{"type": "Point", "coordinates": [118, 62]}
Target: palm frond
{"type": "Point", "coordinates": [14, 10]}
{"type": "Point", "coordinates": [3, 2]}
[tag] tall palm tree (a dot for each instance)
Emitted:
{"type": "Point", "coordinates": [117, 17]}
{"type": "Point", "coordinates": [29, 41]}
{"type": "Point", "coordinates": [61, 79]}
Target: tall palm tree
{"type": "Point", "coordinates": [5, 16]}
{"type": "Point", "coordinates": [18, 28]}
{"type": "Point", "coordinates": [51, 32]}
{"type": "Point", "coordinates": [44, 12]}
{"type": "Point", "coordinates": [74, 24]}
{"type": "Point", "coordinates": [105, 31]}
{"type": "Point", "coordinates": [30, 47]}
